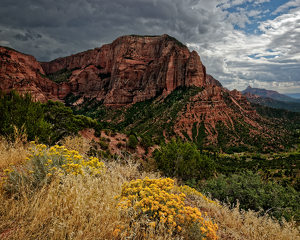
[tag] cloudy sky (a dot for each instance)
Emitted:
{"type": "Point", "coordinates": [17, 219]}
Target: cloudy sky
{"type": "Point", "coordinates": [241, 42]}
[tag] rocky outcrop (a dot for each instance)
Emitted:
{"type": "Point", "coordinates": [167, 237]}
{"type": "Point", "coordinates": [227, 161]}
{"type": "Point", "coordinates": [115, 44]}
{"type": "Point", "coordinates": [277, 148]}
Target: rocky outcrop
{"type": "Point", "coordinates": [213, 105]}
{"type": "Point", "coordinates": [131, 69]}
{"type": "Point", "coordinates": [24, 73]}
{"type": "Point", "coordinates": [210, 80]}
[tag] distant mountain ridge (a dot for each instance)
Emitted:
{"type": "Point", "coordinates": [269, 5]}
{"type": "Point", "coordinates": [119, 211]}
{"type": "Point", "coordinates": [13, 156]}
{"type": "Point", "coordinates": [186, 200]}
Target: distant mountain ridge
{"type": "Point", "coordinates": [270, 94]}
{"type": "Point", "coordinates": [272, 99]}
{"type": "Point", "coordinates": [293, 95]}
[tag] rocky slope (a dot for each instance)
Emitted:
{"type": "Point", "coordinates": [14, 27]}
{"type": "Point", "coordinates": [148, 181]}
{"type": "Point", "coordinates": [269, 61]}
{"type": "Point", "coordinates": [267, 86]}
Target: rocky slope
{"type": "Point", "coordinates": [140, 73]}
{"type": "Point", "coordinates": [131, 69]}
{"type": "Point", "coordinates": [24, 73]}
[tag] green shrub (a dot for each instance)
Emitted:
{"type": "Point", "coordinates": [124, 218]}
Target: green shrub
{"type": "Point", "coordinates": [183, 160]}
{"type": "Point", "coordinates": [132, 142]}
{"type": "Point", "coordinates": [253, 193]}
{"type": "Point", "coordinates": [44, 163]}
{"type": "Point", "coordinates": [21, 112]}
{"type": "Point", "coordinates": [47, 122]}
{"type": "Point", "coordinates": [146, 142]}
{"type": "Point", "coordinates": [103, 145]}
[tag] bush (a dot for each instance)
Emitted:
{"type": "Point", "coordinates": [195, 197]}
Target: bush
{"type": "Point", "coordinates": [164, 208]}
{"type": "Point", "coordinates": [132, 142]}
{"type": "Point", "coordinates": [146, 142]}
{"type": "Point", "coordinates": [252, 193]}
{"type": "Point", "coordinates": [21, 112]}
{"type": "Point", "coordinates": [182, 159]}
{"type": "Point", "coordinates": [44, 163]}
{"type": "Point", "coordinates": [48, 122]}
{"type": "Point", "coordinates": [103, 145]}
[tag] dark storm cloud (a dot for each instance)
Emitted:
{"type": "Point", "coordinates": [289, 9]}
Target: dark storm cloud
{"type": "Point", "coordinates": [49, 29]}
{"type": "Point", "coordinates": [76, 25]}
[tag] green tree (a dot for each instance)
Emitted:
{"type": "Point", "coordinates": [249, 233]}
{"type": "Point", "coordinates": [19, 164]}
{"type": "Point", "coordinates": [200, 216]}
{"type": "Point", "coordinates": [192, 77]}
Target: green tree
{"type": "Point", "coordinates": [132, 141]}
{"type": "Point", "coordinates": [253, 193]}
{"type": "Point", "coordinates": [182, 159]}
{"type": "Point", "coordinates": [21, 112]}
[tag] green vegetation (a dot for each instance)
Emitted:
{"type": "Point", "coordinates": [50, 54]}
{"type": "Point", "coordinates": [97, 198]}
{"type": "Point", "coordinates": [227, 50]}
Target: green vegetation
{"type": "Point", "coordinates": [291, 120]}
{"type": "Point", "coordinates": [60, 76]}
{"type": "Point", "coordinates": [253, 193]}
{"type": "Point", "coordinates": [22, 113]}
{"type": "Point", "coordinates": [132, 141]}
{"type": "Point", "coordinates": [260, 182]}
{"type": "Point", "coordinates": [48, 122]}
{"type": "Point", "coordinates": [183, 160]}
{"type": "Point", "coordinates": [267, 182]}
{"type": "Point", "coordinates": [153, 119]}
{"type": "Point", "coordinates": [63, 121]}
{"type": "Point", "coordinates": [280, 167]}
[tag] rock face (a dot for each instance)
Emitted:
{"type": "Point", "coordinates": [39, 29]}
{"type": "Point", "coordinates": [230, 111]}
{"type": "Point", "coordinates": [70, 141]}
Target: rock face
{"type": "Point", "coordinates": [24, 74]}
{"type": "Point", "coordinates": [131, 69]}
{"type": "Point", "coordinates": [210, 80]}
{"type": "Point", "coordinates": [215, 105]}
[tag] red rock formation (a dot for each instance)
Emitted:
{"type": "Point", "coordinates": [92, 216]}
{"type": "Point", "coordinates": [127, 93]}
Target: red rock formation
{"type": "Point", "coordinates": [131, 69]}
{"type": "Point", "coordinates": [216, 104]}
{"type": "Point", "coordinates": [210, 80]}
{"type": "Point", "coordinates": [23, 73]}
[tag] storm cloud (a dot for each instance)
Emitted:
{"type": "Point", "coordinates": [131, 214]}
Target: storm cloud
{"type": "Point", "coordinates": [268, 56]}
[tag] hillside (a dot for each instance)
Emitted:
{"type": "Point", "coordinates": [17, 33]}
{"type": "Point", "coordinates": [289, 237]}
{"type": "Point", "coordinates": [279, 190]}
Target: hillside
{"type": "Point", "coordinates": [134, 140]}
{"type": "Point", "coordinates": [151, 85]}
{"type": "Point", "coordinates": [294, 95]}
{"type": "Point", "coordinates": [58, 192]}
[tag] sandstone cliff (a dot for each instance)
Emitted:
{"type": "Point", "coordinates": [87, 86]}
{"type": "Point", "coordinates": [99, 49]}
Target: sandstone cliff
{"type": "Point", "coordinates": [24, 73]}
{"type": "Point", "coordinates": [129, 70]}
{"type": "Point", "coordinates": [133, 69]}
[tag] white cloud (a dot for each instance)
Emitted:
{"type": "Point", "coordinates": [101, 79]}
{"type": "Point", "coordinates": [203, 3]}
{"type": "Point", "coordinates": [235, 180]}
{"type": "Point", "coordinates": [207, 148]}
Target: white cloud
{"type": "Point", "coordinates": [286, 6]}
{"type": "Point", "coordinates": [270, 60]}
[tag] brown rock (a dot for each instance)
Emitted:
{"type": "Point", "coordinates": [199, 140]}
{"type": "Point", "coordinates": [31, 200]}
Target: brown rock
{"type": "Point", "coordinates": [23, 73]}
{"type": "Point", "coordinates": [131, 69]}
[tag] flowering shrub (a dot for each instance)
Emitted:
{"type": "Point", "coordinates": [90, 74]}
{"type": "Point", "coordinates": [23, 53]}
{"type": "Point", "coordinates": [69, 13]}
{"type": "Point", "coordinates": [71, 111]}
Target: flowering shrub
{"type": "Point", "coordinates": [158, 200]}
{"type": "Point", "coordinates": [44, 162]}
{"type": "Point", "coordinates": [193, 192]}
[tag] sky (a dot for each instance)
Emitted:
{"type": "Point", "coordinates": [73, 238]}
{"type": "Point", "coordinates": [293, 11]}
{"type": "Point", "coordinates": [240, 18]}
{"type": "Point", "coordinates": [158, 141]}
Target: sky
{"type": "Point", "coordinates": [241, 42]}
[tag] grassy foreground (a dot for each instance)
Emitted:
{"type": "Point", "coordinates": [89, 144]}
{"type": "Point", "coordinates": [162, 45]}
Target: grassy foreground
{"type": "Point", "coordinates": [60, 193]}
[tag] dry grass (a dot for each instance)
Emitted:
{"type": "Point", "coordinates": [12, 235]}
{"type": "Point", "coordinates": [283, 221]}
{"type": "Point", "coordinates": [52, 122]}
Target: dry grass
{"type": "Point", "coordinates": [78, 143]}
{"type": "Point", "coordinates": [84, 207]}
{"type": "Point", "coordinates": [246, 225]}
{"type": "Point", "coordinates": [12, 153]}
{"type": "Point", "coordinates": [72, 208]}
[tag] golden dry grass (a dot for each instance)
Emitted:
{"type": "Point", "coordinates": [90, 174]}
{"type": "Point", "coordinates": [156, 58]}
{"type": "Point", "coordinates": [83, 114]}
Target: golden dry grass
{"type": "Point", "coordinates": [78, 143]}
{"type": "Point", "coordinates": [246, 225]}
{"type": "Point", "coordinates": [72, 208]}
{"type": "Point", "coordinates": [84, 207]}
{"type": "Point", "coordinates": [12, 153]}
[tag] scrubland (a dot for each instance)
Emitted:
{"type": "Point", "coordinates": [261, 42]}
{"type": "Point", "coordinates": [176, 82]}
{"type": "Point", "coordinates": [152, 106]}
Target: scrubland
{"type": "Point", "coordinates": [60, 192]}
